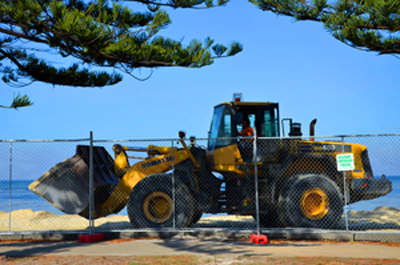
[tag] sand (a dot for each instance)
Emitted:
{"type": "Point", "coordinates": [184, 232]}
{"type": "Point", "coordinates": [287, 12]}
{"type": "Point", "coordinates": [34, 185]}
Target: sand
{"type": "Point", "coordinates": [380, 219]}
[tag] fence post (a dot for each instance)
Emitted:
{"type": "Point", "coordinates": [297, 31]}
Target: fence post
{"type": "Point", "coordinates": [10, 190]}
{"type": "Point", "coordinates": [173, 186]}
{"type": "Point", "coordinates": [346, 220]}
{"type": "Point", "coordinates": [91, 222]}
{"type": "Point", "coordinates": [256, 183]}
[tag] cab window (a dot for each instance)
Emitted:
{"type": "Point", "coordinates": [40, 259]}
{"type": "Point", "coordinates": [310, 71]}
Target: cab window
{"type": "Point", "coordinates": [226, 128]}
{"type": "Point", "coordinates": [221, 127]}
{"type": "Point", "coordinates": [270, 126]}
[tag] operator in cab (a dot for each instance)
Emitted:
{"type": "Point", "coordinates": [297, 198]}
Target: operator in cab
{"type": "Point", "coordinates": [246, 145]}
{"type": "Point", "coordinates": [247, 130]}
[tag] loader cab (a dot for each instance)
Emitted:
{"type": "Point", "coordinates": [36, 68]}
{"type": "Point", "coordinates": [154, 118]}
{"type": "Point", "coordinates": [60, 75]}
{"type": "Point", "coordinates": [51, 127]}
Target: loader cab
{"type": "Point", "coordinates": [227, 122]}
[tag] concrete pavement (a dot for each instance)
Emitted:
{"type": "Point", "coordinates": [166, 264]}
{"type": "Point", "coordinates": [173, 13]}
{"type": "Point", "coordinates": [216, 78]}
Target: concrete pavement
{"type": "Point", "coordinates": [179, 246]}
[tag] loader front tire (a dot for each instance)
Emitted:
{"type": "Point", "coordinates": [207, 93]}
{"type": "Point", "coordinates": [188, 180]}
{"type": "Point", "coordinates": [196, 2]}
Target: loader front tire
{"type": "Point", "coordinates": [310, 199]}
{"type": "Point", "coordinates": [196, 217]}
{"type": "Point", "coordinates": [151, 203]}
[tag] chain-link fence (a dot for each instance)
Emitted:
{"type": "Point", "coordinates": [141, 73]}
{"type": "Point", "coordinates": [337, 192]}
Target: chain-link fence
{"type": "Point", "coordinates": [348, 183]}
{"type": "Point", "coordinates": [22, 162]}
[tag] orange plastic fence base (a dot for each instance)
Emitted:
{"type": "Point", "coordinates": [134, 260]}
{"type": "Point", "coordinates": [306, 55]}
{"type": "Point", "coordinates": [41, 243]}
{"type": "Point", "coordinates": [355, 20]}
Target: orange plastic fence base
{"type": "Point", "coordinates": [91, 238]}
{"type": "Point", "coordinates": [259, 239]}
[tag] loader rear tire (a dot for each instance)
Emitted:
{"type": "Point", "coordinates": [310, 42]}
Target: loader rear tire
{"type": "Point", "coordinates": [310, 199]}
{"type": "Point", "coordinates": [151, 203]}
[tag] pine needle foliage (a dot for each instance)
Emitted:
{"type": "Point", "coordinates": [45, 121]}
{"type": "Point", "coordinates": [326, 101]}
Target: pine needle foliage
{"type": "Point", "coordinates": [92, 35]}
{"type": "Point", "coordinates": [368, 25]}
{"type": "Point", "coordinates": [18, 102]}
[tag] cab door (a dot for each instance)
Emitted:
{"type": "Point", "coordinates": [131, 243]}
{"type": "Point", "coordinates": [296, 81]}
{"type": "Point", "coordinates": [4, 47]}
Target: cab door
{"type": "Point", "coordinates": [222, 141]}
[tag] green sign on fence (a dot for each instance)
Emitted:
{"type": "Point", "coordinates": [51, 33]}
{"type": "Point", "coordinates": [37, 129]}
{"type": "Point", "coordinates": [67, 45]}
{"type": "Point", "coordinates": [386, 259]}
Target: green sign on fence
{"type": "Point", "coordinates": [345, 162]}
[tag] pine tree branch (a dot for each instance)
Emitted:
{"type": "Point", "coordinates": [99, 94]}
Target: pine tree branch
{"type": "Point", "coordinates": [13, 59]}
{"type": "Point", "coordinates": [95, 33]}
{"type": "Point", "coordinates": [19, 102]}
{"type": "Point", "coordinates": [364, 25]}
{"type": "Point", "coordinates": [22, 36]}
{"type": "Point", "coordinates": [191, 6]}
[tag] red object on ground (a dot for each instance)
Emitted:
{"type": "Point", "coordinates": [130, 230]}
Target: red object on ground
{"type": "Point", "coordinates": [91, 238]}
{"type": "Point", "coordinates": [259, 239]}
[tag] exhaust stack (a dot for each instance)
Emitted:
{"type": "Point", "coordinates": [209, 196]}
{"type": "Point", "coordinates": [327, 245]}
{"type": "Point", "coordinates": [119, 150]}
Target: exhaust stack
{"type": "Point", "coordinates": [312, 129]}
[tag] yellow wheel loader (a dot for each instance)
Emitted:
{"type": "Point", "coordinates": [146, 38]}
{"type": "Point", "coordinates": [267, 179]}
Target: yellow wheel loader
{"type": "Point", "coordinates": [298, 181]}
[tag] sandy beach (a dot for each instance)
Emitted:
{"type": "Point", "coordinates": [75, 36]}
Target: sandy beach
{"type": "Point", "coordinates": [381, 219]}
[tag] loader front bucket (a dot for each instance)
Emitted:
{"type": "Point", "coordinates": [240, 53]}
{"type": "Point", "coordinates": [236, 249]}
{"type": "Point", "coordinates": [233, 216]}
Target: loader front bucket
{"type": "Point", "coordinates": [66, 185]}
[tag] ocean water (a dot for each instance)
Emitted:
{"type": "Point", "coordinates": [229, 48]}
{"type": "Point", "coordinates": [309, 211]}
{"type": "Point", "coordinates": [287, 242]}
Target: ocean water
{"type": "Point", "coordinates": [23, 198]}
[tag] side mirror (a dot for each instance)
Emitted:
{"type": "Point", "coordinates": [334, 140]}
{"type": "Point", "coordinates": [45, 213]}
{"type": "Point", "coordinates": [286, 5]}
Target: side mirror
{"type": "Point", "coordinates": [182, 134]}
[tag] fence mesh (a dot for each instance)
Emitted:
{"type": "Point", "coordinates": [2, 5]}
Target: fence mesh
{"type": "Point", "coordinates": [381, 213]}
{"type": "Point", "coordinates": [158, 184]}
{"type": "Point", "coordinates": [23, 210]}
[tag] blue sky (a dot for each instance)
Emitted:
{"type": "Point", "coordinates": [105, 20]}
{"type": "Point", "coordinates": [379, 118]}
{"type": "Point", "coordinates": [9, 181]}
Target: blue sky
{"type": "Point", "coordinates": [298, 64]}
